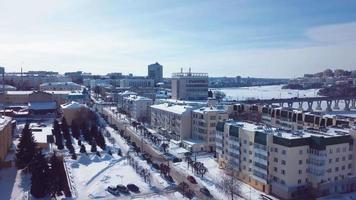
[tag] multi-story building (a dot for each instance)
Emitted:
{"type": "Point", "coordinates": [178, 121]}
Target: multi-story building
{"type": "Point", "coordinates": [137, 82]}
{"type": "Point", "coordinates": [190, 86]}
{"type": "Point", "coordinates": [33, 80]}
{"type": "Point", "coordinates": [155, 72]}
{"type": "Point", "coordinates": [204, 125]}
{"type": "Point", "coordinates": [138, 107]}
{"type": "Point", "coordinates": [61, 86]}
{"type": "Point", "coordinates": [6, 131]}
{"type": "Point", "coordinates": [172, 121]}
{"type": "Point", "coordinates": [289, 164]}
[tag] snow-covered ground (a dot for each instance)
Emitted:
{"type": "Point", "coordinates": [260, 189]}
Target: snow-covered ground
{"type": "Point", "coordinates": [212, 178]}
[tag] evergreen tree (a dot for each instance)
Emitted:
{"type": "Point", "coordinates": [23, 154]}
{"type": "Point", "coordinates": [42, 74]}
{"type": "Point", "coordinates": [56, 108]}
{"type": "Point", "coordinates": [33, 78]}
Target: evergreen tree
{"type": "Point", "coordinates": [93, 146]}
{"type": "Point", "coordinates": [79, 143]}
{"type": "Point", "coordinates": [65, 128]}
{"type": "Point", "coordinates": [40, 172]}
{"type": "Point", "coordinates": [26, 148]}
{"type": "Point", "coordinates": [100, 140]}
{"type": "Point", "coordinates": [56, 128]}
{"type": "Point", "coordinates": [85, 132]}
{"type": "Point", "coordinates": [93, 131]}
{"type": "Point", "coordinates": [75, 130]}
{"type": "Point", "coordinates": [59, 141]}
{"type": "Point", "coordinates": [55, 184]}
{"type": "Point", "coordinates": [82, 149]}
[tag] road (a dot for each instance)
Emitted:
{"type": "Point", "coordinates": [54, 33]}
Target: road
{"type": "Point", "coordinates": [156, 156]}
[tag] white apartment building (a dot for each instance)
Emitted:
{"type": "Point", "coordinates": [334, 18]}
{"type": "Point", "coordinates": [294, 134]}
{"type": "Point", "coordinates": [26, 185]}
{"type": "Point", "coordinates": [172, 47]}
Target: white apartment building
{"type": "Point", "coordinates": [137, 82]}
{"type": "Point", "coordinates": [138, 107]}
{"type": "Point", "coordinates": [204, 125]}
{"type": "Point", "coordinates": [120, 97]}
{"type": "Point", "coordinates": [172, 121]}
{"type": "Point", "coordinates": [189, 86]}
{"type": "Point", "coordinates": [290, 165]}
{"type": "Point", "coordinates": [60, 86]}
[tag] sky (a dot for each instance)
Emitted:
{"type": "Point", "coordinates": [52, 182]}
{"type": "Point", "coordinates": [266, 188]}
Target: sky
{"type": "Point", "coordinates": [282, 39]}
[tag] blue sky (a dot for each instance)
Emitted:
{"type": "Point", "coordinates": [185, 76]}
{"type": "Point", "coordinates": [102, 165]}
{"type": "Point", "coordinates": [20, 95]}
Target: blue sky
{"type": "Point", "coordinates": [224, 38]}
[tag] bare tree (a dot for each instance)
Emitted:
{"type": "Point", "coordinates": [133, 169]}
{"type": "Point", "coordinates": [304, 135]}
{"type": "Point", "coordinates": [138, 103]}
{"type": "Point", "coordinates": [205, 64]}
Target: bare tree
{"type": "Point", "coordinates": [230, 185]}
{"type": "Point", "coordinates": [219, 95]}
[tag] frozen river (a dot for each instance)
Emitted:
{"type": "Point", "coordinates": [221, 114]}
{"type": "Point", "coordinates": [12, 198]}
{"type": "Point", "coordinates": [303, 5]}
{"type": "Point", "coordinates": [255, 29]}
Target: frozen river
{"type": "Point", "coordinates": [265, 92]}
{"type": "Point", "coordinates": [269, 92]}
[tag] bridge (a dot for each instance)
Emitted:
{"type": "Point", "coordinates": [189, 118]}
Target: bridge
{"type": "Point", "coordinates": [331, 102]}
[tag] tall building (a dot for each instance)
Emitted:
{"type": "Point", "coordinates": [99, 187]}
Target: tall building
{"type": "Point", "coordinates": [155, 72]}
{"type": "Point", "coordinates": [289, 164]}
{"type": "Point", "coordinates": [189, 86]}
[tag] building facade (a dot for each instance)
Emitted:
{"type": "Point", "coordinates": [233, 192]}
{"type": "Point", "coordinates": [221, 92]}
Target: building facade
{"type": "Point", "coordinates": [155, 72]}
{"type": "Point", "coordinates": [204, 125]}
{"type": "Point", "coordinates": [61, 86]}
{"type": "Point", "coordinates": [172, 121]}
{"type": "Point", "coordinates": [6, 131]}
{"type": "Point", "coordinates": [189, 86]}
{"type": "Point", "coordinates": [138, 107]}
{"type": "Point", "coordinates": [289, 164]}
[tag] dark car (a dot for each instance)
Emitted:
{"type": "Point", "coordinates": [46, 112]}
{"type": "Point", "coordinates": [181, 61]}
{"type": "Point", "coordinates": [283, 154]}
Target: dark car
{"type": "Point", "coordinates": [113, 190]}
{"type": "Point", "coordinates": [175, 160]}
{"type": "Point", "coordinates": [169, 178]}
{"type": "Point", "coordinates": [123, 189]}
{"type": "Point", "coordinates": [133, 188]}
{"type": "Point", "coordinates": [205, 191]}
{"type": "Point", "coordinates": [192, 179]}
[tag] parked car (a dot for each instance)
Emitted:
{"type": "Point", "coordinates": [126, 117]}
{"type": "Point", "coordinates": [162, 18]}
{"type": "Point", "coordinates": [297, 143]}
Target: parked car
{"type": "Point", "coordinates": [123, 189]}
{"type": "Point", "coordinates": [205, 191]}
{"type": "Point", "coordinates": [113, 190]}
{"type": "Point", "coordinates": [175, 160]}
{"type": "Point", "coordinates": [169, 178]}
{"type": "Point", "coordinates": [133, 188]}
{"type": "Point", "coordinates": [192, 179]}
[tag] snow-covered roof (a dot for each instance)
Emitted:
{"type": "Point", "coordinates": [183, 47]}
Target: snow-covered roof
{"type": "Point", "coordinates": [177, 109]}
{"type": "Point", "coordinates": [127, 93]}
{"type": "Point", "coordinates": [42, 105]}
{"type": "Point", "coordinates": [72, 105]}
{"type": "Point", "coordinates": [209, 109]}
{"type": "Point", "coordinates": [137, 98]}
{"type": "Point", "coordinates": [60, 84]}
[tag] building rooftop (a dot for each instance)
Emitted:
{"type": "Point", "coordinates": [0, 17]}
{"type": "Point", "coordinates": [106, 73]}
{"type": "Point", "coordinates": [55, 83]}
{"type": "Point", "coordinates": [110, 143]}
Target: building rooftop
{"type": "Point", "coordinates": [137, 98]}
{"type": "Point", "coordinates": [72, 105]}
{"type": "Point", "coordinates": [177, 109]}
{"type": "Point", "coordinates": [210, 109]}
{"type": "Point", "coordinates": [4, 120]}
{"type": "Point", "coordinates": [60, 84]}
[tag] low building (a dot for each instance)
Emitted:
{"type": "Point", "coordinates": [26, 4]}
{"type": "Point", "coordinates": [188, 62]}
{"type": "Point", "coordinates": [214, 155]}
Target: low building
{"type": "Point", "coordinates": [71, 111]}
{"type": "Point", "coordinates": [289, 164]}
{"type": "Point", "coordinates": [6, 131]}
{"type": "Point", "coordinates": [137, 82]}
{"type": "Point", "coordinates": [204, 125]}
{"type": "Point", "coordinates": [121, 96]}
{"type": "Point", "coordinates": [172, 121]}
{"type": "Point", "coordinates": [60, 86]}
{"type": "Point", "coordinates": [138, 107]}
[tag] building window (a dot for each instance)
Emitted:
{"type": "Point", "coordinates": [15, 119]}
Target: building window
{"type": "Point", "coordinates": [343, 158]}
{"type": "Point", "coordinates": [350, 157]}
{"type": "Point", "coordinates": [276, 150]}
{"type": "Point", "coordinates": [284, 152]}
{"type": "Point", "coordinates": [275, 160]}
{"type": "Point", "coordinates": [283, 172]}
{"type": "Point", "coordinates": [283, 162]}
{"type": "Point", "coordinates": [300, 162]}
{"type": "Point", "coordinates": [330, 151]}
{"type": "Point", "coordinates": [330, 160]}
{"type": "Point", "coordinates": [336, 169]}
{"type": "Point", "coordinates": [275, 169]}
{"type": "Point", "coordinates": [300, 171]}
{"type": "Point", "coordinates": [338, 150]}
{"type": "Point", "coordinates": [299, 181]}
{"type": "Point", "coordinates": [300, 152]}
{"type": "Point", "coordinates": [337, 159]}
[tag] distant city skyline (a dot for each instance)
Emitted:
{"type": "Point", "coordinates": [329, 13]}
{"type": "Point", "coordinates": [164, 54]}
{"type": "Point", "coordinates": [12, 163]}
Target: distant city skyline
{"type": "Point", "coordinates": [282, 39]}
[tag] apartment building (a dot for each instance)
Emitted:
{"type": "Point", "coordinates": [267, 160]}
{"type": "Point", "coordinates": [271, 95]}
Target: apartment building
{"type": "Point", "coordinates": [172, 121]}
{"type": "Point", "coordinates": [61, 86]}
{"type": "Point", "coordinates": [138, 107]}
{"type": "Point", "coordinates": [137, 82]}
{"type": "Point", "coordinates": [189, 86]}
{"type": "Point", "coordinates": [6, 131]}
{"type": "Point", "coordinates": [155, 72]}
{"type": "Point", "coordinates": [204, 125]}
{"type": "Point", "coordinates": [289, 164]}
{"type": "Point", "coordinates": [295, 119]}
